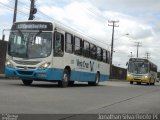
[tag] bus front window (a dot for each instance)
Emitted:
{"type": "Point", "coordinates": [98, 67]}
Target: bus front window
{"type": "Point", "coordinates": [30, 44]}
{"type": "Point", "coordinates": [138, 68]}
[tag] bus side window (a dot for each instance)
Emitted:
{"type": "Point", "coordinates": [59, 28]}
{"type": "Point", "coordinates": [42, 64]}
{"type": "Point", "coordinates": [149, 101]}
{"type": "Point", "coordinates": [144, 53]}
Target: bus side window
{"type": "Point", "coordinates": [99, 54]}
{"type": "Point", "coordinates": [93, 51]}
{"type": "Point", "coordinates": [77, 46]}
{"type": "Point", "coordinates": [86, 49]}
{"type": "Point", "coordinates": [58, 44]}
{"type": "Point", "coordinates": [68, 43]}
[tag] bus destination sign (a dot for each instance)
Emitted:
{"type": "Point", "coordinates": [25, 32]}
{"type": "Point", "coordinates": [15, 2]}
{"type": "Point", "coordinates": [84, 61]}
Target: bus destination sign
{"type": "Point", "coordinates": [138, 60]}
{"type": "Point", "coordinates": [33, 26]}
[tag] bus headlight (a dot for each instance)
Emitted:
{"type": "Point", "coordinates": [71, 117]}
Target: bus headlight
{"type": "Point", "coordinates": [44, 66]}
{"type": "Point", "coordinates": [9, 64]}
{"type": "Point", "coordinates": [128, 75]}
{"type": "Point", "coordinates": [146, 76]}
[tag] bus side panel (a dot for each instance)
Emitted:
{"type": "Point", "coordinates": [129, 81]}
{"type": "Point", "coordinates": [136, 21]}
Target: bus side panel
{"type": "Point", "coordinates": [82, 76]}
{"type": "Point", "coordinates": [86, 76]}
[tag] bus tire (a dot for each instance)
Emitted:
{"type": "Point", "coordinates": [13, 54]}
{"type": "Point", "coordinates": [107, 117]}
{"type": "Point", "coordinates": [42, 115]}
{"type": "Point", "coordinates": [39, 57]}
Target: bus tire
{"type": "Point", "coordinates": [96, 82]}
{"type": "Point", "coordinates": [27, 82]}
{"type": "Point", "coordinates": [153, 82]}
{"type": "Point", "coordinates": [65, 80]}
{"type": "Point", "coordinates": [149, 83]}
{"type": "Point", "coordinates": [71, 83]}
{"type": "Point", "coordinates": [131, 82]}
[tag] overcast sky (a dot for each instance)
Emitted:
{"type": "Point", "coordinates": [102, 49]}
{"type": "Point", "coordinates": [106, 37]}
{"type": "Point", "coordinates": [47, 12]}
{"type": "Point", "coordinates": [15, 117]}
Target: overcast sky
{"type": "Point", "coordinates": [138, 18]}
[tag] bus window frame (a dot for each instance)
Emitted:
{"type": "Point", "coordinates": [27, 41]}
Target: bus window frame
{"type": "Point", "coordinates": [62, 45]}
{"type": "Point", "coordinates": [100, 54]}
{"type": "Point", "coordinates": [104, 58]}
{"type": "Point", "coordinates": [80, 46]}
{"type": "Point", "coordinates": [88, 51]}
{"type": "Point", "coordinates": [66, 43]}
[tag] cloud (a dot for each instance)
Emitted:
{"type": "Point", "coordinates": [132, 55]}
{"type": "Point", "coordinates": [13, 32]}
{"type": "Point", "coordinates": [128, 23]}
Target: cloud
{"type": "Point", "coordinates": [3, 10]}
{"type": "Point", "coordinates": [87, 18]}
{"type": "Point", "coordinates": [138, 18]}
{"type": "Point", "coordinates": [4, 1]}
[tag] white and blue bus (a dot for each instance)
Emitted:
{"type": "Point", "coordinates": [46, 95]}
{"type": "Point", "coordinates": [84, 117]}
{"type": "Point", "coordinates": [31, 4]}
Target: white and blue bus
{"type": "Point", "coordinates": [141, 71]}
{"type": "Point", "coordinates": [45, 51]}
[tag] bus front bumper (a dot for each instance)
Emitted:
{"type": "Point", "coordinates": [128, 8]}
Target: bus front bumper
{"type": "Point", "coordinates": [47, 74]}
{"type": "Point", "coordinates": [142, 79]}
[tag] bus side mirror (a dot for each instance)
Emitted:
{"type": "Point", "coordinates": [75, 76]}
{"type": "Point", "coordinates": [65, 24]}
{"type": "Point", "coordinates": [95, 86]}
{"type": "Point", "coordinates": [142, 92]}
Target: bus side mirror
{"type": "Point", "coordinates": [127, 64]}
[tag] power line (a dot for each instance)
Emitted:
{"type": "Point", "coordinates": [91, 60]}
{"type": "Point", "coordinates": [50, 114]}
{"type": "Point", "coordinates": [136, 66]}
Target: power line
{"type": "Point", "coordinates": [93, 12]}
{"type": "Point", "coordinates": [39, 12]}
{"type": "Point", "coordinates": [72, 28]}
{"type": "Point", "coordinates": [11, 8]}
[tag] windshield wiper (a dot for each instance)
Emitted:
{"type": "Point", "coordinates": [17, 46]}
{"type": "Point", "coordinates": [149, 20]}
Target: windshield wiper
{"type": "Point", "coordinates": [38, 33]}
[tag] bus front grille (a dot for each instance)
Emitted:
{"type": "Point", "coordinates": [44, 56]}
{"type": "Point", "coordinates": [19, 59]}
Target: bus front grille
{"type": "Point", "coordinates": [25, 72]}
{"type": "Point", "coordinates": [136, 78]}
{"type": "Point", "coordinates": [26, 62]}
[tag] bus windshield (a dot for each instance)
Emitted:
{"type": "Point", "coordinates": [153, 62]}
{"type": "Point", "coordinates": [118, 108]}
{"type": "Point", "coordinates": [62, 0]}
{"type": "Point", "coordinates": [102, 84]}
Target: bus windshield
{"type": "Point", "coordinates": [138, 67]}
{"type": "Point", "coordinates": [27, 44]}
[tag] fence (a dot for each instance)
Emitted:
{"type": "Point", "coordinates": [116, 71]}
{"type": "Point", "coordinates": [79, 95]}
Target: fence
{"type": "Point", "coordinates": [118, 73]}
{"type": "Point", "coordinates": [3, 48]}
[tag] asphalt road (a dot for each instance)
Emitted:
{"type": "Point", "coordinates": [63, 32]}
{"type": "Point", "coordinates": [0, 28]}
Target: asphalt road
{"type": "Point", "coordinates": [108, 97]}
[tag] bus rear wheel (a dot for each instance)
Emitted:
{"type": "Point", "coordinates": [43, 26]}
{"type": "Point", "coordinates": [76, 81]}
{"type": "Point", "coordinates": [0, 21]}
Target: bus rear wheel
{"type": "Point", "coordinates": [71, 83]}
{"type": "Point", "coordinates": [65, 80]}
{"type": "Point", "coordinates": [27, 82]}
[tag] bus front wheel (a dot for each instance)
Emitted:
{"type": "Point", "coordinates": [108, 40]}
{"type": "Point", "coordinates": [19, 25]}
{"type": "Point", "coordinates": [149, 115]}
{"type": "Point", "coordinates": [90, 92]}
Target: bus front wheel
{"type": "Point", "coordinates": [27, 82]}
{"type": "Point", "coordinates": [153, 82]}
{"type": "Point", "coordinates": [131, 82]}
{"type": "Point", "coordinates": [149, 83]}
{"type": "Point", "coordinates": [65, 80]}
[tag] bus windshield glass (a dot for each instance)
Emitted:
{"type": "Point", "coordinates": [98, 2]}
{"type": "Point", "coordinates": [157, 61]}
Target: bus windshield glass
{"type": "Point", "coordinates": [138, 67]}
{"type": "Point", "coordinates": [30, 44]}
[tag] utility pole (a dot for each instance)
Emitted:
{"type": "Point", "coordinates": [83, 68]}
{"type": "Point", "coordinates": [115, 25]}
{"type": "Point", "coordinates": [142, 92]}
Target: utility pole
{"type": "Point", "coordinates": [147, 55]}
{"type": "Point", "coordinates": [15, 11]}
{"type": "Point", "coordinates": [33, 10]}
{"type": "Point", "coordinates": [138, 44]}
{"type": "Point", "coordinates": [112, 24]}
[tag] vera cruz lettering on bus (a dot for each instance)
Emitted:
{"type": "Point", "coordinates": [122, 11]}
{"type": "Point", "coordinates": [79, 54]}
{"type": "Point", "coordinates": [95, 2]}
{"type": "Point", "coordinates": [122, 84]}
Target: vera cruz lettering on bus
{"type": "Point", "coordinates": [85, 65]}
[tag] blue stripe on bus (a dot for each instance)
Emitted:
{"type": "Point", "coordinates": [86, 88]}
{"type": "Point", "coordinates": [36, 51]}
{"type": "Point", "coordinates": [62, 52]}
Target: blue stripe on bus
{"type": "Point", "coordinates": [52, 74]}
